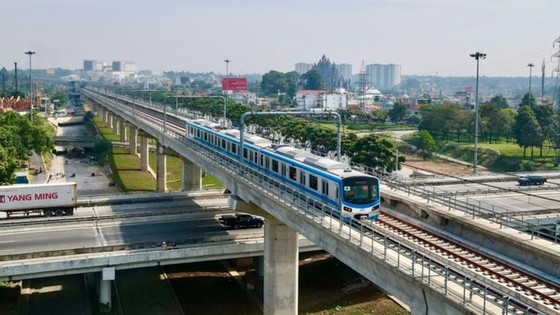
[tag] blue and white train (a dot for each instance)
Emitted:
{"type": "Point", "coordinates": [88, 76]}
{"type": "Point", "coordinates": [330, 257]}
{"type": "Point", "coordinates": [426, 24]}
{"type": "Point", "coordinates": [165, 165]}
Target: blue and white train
{"type": "Point", "coordinates": [355, 194]}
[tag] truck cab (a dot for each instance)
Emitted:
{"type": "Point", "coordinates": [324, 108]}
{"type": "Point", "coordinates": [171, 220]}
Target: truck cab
{"type": "Point", "coordinates": [21, 178]}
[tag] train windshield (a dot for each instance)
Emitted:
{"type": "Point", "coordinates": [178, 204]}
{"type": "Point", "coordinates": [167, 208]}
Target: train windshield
{"type": "Point", "coordinates": [360, 190]}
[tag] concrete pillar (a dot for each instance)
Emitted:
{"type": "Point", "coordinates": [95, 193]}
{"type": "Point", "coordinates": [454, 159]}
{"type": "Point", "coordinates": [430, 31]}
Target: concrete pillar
{"type": "Point", "coordinates": [123, 130]}
{"type": "Point", "coordinates": [280, 268]}
{"type": "Point", "coordinates": [161, 169]}
{"type": "Point", "coordinates": [192, 176]}
{"type": "Point", "coordinates": [109, 119]}
{"type": "Point", "coordinates": [259, 275]}
{"type": "Point", "coordinates": [144, 154]}
{"type": "Point", "coordinates": [107, 275]}
{"type": "Point", "coordinates": [115, 124]}
{"type": "Point", "coordinates": [133, 139]}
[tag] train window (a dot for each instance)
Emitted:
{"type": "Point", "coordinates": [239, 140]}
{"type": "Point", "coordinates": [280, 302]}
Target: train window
{"type": "Point", "coordinates": [211, 138]}
{"type": "Point", "coordinates": [293, 173]}
{"type": "Point", "coordinates": [283, 172]}
{"type": "Point", "coordinates": [245, 153]}
{"type": "Point", "coordinates": [267, 162]}
{"type": "Point", "coordinates": [262, 160]}
{"type": "Point", "coordinates": [275, 166]}
{"type": "Point", "coordinates": [223, 144]}
{"type": "Point", "coordinates": [234, 148]}
{"type": "Point", "coordinates": [198, 133]}
{"type": "Point", "coordinates": [205, 136]}
{"type": "Point", "coordinates": [325, 188]}
{"type": "Point", "coordinates": [336, 192]}
{"type": "Point", "coordinates": [255, 157]}
{"type": "Point", "coordinates": [313, 182]}
{"type": "Point", "coordinates": [302, 177]}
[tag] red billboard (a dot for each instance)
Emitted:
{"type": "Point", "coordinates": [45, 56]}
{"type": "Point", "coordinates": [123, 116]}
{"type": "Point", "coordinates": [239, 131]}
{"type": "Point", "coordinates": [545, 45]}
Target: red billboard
{"type": "Point", "coordinates": [234, 84]}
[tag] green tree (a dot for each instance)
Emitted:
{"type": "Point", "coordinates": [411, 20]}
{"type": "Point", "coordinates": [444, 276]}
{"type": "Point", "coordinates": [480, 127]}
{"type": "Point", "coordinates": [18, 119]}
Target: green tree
{"type": "Point", "coordinates": [274, 82]}
{"type": "Point", "coordinates": [499, 101]}
{"type": "Point", "coordinates": [441, 118]}
{"type": "Point", "coordinates": [60, 98]}
{"type": "Point", "coordinates": [526, 130]}
{"type": "Point", "coordinates": [312, 80]}
{"type": "Point", "coordinates": [375, 152]}
{"type": "Point", "coordinates": [424, 142]}
{"type": "Point", "coordinates": [528, 100]}
{"type": "Point", "coordinates": [292, 78]}
{"type": "Point", "coordinates": [397, 113]}
{"type": "Point", "coordinates": [545, 116]}
{"type": "Point", "coordinates": [8, 164]}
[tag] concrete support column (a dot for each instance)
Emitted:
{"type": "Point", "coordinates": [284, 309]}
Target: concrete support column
{"type": "Point", "coordinates": [144, 154]}
{"type": "Point", "coordinates": [109, 119]}
{"type": "Point", "coordinates": [123, 130]}
{"type": "Point", "coordinates": [280, 268]}
{"type": "Point", "coordinates": [115, 124]}
{"type": "Point", "coordinates": [259, 275]}
{"type": "Point", "coordinates": [192, 176]}
{"type": "Point", "coordinates": [107, 275]}
{"type": "Point", "coordinates": [161, 169]}
{"type": "Point", "coordinates": [133, 139]}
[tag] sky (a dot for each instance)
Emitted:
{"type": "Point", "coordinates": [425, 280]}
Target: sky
{"type": "Point", "coordinates": [425, 37]}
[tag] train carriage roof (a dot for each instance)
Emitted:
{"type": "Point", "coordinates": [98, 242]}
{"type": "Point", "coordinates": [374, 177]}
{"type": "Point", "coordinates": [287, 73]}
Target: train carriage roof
{"type": "Point", "coordinates": [325, 163]}
{"type": "Point", "coordinates": [293, 153]}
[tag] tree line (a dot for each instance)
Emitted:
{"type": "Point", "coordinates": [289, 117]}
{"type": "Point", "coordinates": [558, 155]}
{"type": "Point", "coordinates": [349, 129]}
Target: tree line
{"type": "Point", "coordinates": [531, 126]}
{"type": "Point", "coordinates": [18, 137]}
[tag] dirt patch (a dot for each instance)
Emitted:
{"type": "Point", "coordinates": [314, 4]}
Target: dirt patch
{"type": "Point", "coordinates": [438, 167]}
{"type": "Point", "coordinates": [326, 286]}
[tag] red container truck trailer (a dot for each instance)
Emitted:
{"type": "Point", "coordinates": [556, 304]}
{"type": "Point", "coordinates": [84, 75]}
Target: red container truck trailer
{"type": "Point", "coordinates": [47, 199]}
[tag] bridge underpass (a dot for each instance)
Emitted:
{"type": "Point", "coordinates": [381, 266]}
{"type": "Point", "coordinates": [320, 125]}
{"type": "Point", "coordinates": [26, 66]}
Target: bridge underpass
{"type": "Point", "coordinates": [322, 229]}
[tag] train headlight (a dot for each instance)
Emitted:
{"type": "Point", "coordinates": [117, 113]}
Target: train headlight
{"type": "Point", "coordinates": [347, 209]}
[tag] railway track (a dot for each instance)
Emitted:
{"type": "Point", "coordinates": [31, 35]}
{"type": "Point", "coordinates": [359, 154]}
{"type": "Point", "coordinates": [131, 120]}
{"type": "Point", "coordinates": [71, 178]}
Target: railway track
{"type": "Point", "coordinates": [539, 293]}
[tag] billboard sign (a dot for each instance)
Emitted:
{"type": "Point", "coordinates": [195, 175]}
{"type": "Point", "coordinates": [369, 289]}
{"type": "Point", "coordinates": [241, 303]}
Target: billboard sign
{"type": "Point", "coordinates": [234, 84]}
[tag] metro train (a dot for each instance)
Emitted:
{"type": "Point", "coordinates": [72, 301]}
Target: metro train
{"type": "Point", "coordinates": [354, 194]}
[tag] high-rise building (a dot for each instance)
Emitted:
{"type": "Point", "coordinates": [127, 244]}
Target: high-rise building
{"type": "Point", "coordinates": [344, 71]}
{"type": "Point", "coordinates": [93, 65]}
{"type": "Point", "coordinates": [124, 66]}
{"type": "Point", "coordinates": [383, 76]}
{"type": "Point", "coordinates": [302, 68]}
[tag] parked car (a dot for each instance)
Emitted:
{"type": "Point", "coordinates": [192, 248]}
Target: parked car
{"type": "Point", "coordinates": [241, 220]}
{"type": "Point", "coordinates": [531, 180]}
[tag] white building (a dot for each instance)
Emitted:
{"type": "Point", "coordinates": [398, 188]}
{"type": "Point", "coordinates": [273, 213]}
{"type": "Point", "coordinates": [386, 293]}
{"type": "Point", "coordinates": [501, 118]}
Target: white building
{"type": "Point", "coordinates": [307, 100]}
{"type": "Point", "coordinates": [93, 65]}
{"type": "Point", "coordinates": [127, 67]}
{"type": "Point", "coordinates": [383, 76]}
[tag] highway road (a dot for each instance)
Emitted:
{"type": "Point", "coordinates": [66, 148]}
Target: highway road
{"type": "Point", "coordinates": [186, 219]}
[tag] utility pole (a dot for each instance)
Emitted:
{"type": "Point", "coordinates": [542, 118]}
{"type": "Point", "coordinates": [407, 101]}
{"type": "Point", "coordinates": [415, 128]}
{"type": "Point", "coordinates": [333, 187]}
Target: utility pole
{"type": "Point", "coordinates": [15, 78]}
{"type": "Point", "coordinates": [477, 56]}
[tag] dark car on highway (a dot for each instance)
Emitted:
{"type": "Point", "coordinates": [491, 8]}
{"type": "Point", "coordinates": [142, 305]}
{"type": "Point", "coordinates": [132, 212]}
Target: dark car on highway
{"type": "Point", "coordinates": [241, 220]}
{"type": "Point", "coordinates": [531, 180]}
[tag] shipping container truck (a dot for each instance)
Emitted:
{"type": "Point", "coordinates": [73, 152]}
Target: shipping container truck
{"type": "Point", "coordinates": [47, 199]}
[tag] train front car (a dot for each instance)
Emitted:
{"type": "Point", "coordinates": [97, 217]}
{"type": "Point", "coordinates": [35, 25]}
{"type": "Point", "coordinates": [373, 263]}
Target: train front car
{"type": "Point", "coordinates": [360, 196]}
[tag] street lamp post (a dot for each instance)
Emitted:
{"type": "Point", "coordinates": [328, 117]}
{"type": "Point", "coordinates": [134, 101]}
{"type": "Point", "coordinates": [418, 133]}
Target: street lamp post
{"type": "Point", "coordinates": [530, 75]}
{"type": "Point", "coordinates": [30, 53]}
{"type": "Point", "coordinates": [477, 56]}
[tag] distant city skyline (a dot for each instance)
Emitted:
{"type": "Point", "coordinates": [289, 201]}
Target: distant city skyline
{"type": "Point", "coordinates": [424, 37]}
